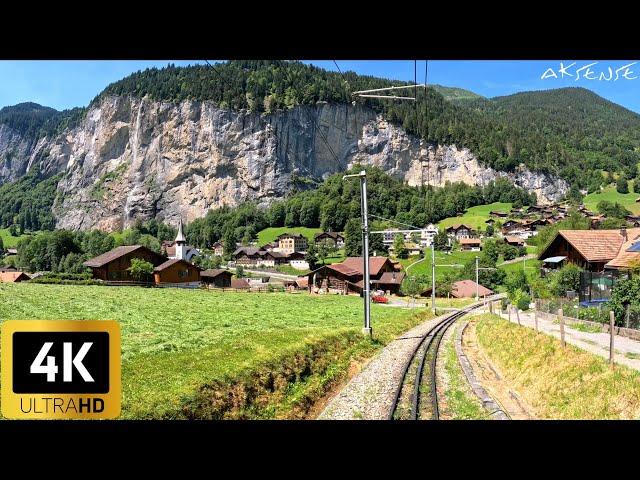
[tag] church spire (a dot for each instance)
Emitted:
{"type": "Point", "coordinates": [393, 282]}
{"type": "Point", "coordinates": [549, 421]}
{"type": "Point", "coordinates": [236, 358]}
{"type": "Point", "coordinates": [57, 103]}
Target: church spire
{"type": "Point", "coordinates": [180, 238]}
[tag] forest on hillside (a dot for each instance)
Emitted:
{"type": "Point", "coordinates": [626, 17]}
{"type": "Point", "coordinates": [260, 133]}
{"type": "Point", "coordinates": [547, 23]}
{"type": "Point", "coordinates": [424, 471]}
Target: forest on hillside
{"type": "Point", "coordinates": [336, 202]}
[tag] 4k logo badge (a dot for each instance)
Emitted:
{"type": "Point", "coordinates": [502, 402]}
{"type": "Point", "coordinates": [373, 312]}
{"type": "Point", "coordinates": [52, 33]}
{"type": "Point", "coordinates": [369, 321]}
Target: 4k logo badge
{"type": "Point", "coordinates": [60, 369]}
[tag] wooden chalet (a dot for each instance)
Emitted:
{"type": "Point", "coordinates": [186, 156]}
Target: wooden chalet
{"type": "Point", "coordinates": [591, 250]}
{"type": "Point", "coordinates": [335, 239]}
{"type": "Point", "coordinates": [218, 278]}
{"type": "Point", "coordinates": [114, 264]}
{"type": "Point", "coordinates": [498, 214]}
{"type": "Point", "coordinates": [347, 277]}
{"type": "Point", "coordinates": [460, 231]}
{"type": "Point", "coordinates": [176, 270]}
{"type": "Point", "coordinates": [514, 241]}
{"type": "Point", "coordinates": [470, 244]}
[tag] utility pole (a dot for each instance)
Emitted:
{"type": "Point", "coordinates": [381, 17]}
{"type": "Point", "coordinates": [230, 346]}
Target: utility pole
{"type": "Point", "coordinates": [365, 250]}
{"type": "Point", "coordinates": [477, 278]}
{"type": "Point", "coordinates": [433, 276]}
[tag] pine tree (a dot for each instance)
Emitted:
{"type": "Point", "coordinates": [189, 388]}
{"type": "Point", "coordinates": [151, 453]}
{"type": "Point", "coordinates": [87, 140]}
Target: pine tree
{"type": "Point", "coordinates": [352, 238]}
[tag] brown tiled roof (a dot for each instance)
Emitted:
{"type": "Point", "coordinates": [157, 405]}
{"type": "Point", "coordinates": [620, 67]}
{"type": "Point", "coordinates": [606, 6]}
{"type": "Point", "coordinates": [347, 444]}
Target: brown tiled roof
{"type": "Point", "coordinates": [626, 259]}
{"type": "Point", "coordinates": [597, 245]}
{"type": "Point", "coordinates": [344, 269]}
{"type": "Point", "coordinates": [213, 273]}
{"type": "Point", "coordinates": [457, 226]}
{"type": "Point", "coordinates": [302, 282]}
{"type": "Point", "coordinates": [513, 239]}
{"type": "Point", "coordinates": [173, 261]}
{"type": "Point", "coordinates": [356, 263]}
{"type": "Point", "coordinates": [470, 241]}
{"type": "Point", "coordinates": [467, 289]}
{"type": "Point", "coordinates": [114, 254]}
{"type": "Point", "coordinates": [11, 277]}
{"type": "Point", "coordinates": [333, 235]}
{"type": "Point", "coordinates": [390, 278]}
{"type": "Point", "coordinates": [239, 283]}
{"type": "Point", "coordinates": [294, 235]}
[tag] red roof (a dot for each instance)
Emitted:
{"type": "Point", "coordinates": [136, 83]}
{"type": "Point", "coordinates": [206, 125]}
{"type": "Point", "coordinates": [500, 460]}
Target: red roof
{"type": "Point", "coordinates": [11, 277]}
{"type": "Point", "coordinates": [389, 278]}
{"type": "Point", "coordinates": [239, 283]}
{"type": "Point", "coordinates": [357, 264]}
{"type": "Point", "coordinates": [470, 241]}
{"type": "Point", "coordinates": [467, 289]}
{"type": "Point", "coordinates": [597, 245]}
{"type": "Point", "coordinates": [626, 259]}
{"type": "Point", "coordinates": [344, 269]}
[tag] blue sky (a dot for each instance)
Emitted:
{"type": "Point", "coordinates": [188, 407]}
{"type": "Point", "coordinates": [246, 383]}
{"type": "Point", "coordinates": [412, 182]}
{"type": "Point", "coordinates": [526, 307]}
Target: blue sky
{"type": "Point", "coordinates": [67, 84]}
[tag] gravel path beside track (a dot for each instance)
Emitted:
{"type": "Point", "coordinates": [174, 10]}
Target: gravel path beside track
{"type": "Point", "coordinates": [370, 394]}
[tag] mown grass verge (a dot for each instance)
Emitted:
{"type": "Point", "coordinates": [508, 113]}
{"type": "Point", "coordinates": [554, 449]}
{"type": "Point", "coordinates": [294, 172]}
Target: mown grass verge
{"type": "Point", "coordinates": [204, 354]}
{"type": "Point", "coordinates": [559, 383]}
{"type": "Point", "coordinates": [461, 402]}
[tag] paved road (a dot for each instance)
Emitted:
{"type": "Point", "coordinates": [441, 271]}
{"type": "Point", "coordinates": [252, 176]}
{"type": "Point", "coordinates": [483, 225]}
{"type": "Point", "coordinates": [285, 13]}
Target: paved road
{"type": "Point", "coordinates": [596, 343]}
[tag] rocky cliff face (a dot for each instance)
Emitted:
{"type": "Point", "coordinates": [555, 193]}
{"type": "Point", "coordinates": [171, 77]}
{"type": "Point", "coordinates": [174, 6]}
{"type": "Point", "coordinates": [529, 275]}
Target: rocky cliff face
{"type": "Point", "coordinates": [135, 158]}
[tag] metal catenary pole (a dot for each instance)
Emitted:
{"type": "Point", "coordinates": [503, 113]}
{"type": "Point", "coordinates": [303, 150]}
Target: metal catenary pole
{"type": "Point", "coordinates": [367, 330]}
{"type": "Point", "coordinates": [433, 276]}
{"type": "Point", "coordinates": [477, 279]}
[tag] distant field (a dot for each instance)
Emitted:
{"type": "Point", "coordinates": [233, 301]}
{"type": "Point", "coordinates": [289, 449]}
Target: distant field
{"type": "Point", "coordinates": [424, 267]}
{"type": "Point", "coordinates": [476, 216]}
{"type": "Point", "coordinates": [8, 240]}
{"type": "Point", "coordinates": [175, 342]}
{"type": "Point", "coordinates": [269, 234]}
{"type": "Point", "coordinates": [610, 194]}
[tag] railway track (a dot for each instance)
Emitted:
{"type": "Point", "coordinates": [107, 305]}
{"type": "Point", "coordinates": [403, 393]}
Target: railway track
{"type": "Point", "coordinates": [417, 394]}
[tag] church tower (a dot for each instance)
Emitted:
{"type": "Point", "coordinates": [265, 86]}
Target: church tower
{"type": "Point", "coordinates": [181, 244]}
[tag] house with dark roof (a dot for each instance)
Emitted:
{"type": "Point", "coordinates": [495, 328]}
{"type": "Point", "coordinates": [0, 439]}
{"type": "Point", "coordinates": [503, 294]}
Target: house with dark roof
{"type": "Point", "coordinates": [218, 278]}
{"type": "Point", "coordinates": [114, 264]}
{"type": "Point", "coordinates": [333, 239]}
{"type": "Point", "coordinates": [459, 231]}
{"type": "Point", "coordinates": [347, 277]}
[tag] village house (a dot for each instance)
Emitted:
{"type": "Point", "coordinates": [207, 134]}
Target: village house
{"type": "Point", "coordinates": [258, 257]}
{"type": "Point", "coordinates": [114, 264]}
{"type": "Point", "coordinates": [240, 284]}
{"type": "Point", "coordinates": [333, 239]}
{"type": "Point", "coordinates": [459, 231]}
{"type": "Point", "coordinates": [603, 255]}
{"type": "Point", "coordinates": [428, 234]}
{"type": "Point", "coordinates": [177, 270]}
{"type": "Point", "coordinates": [514, 241]}
{"type": "Point", "coordinates": [498, 214]}
{"type": "Point", "coordinates": [218, 249]}
{"type": "Point", "coordinates": [470, 244]}
{"type": "Point", "coordinates": [347, 277]}
{"type": "Point", "coordinates": [292, 242]}
{"type": "Point", "coordinates": [218, 278]}
{"type": "Point", "coordinates": [13, 276]}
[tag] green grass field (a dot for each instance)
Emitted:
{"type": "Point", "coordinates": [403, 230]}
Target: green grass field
{"type": "Point", "coordinates": [175, 342]}
{"type": "Point", "coordinates": [269, 234]}
{"type": "Point", "coordinates": [424, 267]}
{"type": "Point", "coordinates": [476, 216]}
{"type": "Point", "coordinates": [8, 240]}
{"type": "Point", "coordinates": [628, 200]}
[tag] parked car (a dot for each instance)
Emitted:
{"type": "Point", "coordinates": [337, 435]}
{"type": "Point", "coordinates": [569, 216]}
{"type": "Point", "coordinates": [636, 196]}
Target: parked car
{"type": "Point", "coordinates": [380, 299]}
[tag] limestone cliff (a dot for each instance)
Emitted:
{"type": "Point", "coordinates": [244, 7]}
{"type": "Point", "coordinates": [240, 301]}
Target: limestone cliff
{"type": "Point", "coordinates": [133, 158]}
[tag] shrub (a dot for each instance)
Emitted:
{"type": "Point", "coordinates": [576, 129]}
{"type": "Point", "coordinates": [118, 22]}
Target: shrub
{"type": "Point", "coordinates": [523, 302]}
